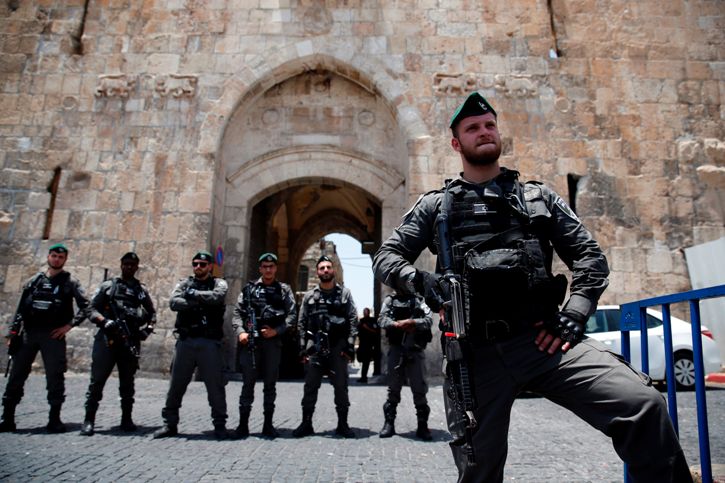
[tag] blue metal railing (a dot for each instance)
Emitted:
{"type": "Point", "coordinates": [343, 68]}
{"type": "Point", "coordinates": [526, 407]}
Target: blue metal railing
{"type": "Point", "coordinates": [634, 318]}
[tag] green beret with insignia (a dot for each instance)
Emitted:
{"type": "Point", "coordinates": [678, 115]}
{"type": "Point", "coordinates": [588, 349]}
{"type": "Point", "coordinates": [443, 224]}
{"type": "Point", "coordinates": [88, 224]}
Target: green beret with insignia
{"type": "Point", "coordinates": [58, 248]}
{"type": "Point", "coordinates": [475, 105]}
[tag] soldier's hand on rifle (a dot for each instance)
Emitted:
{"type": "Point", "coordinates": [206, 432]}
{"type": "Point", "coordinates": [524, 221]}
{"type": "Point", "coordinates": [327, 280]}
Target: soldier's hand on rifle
{"type": "Point", "coordinates": [146, 332]}
{"type": "Point", "coordinates": [111, 326]}
{"type": "Point", "coordinates": [565, 330]}
{"type": "Point", "coordinates": [190, 293]}
{"type": "Point", "coordinates": [348, 352]}
{"type": "Point", "coordinates": [431, 286]}
{"type": "Point", "coordinates": [407, 325]}
{"type": "Point", "coordinates": [60, 332]}
{"type": "Point", "coordinates": [244, 338]}
{"type": "Point", "coordinates": [268, 332]}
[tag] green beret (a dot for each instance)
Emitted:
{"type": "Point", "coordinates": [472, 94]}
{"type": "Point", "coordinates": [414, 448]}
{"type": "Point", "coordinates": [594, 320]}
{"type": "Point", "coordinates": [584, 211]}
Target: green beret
{"type": "Point", "coordinates": [267, 257]}
{"type": "Point", "coordinates": [58, 248]}
{"type": "Point", "coordinates": [130, 256]}
{"type": "Point", "coordinates": [475, 105]}
{"type": "Point", "coordinates": [204, 255]}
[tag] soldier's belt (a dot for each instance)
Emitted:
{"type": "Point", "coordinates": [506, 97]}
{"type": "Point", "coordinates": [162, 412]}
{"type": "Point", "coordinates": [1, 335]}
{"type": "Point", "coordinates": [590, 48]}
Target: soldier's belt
{"type": "Point", "coordinates": [492, 331]}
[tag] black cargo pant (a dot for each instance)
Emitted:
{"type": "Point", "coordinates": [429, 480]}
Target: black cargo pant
{"type": "Point", "coordinates": [338, 378]}
{"type": "Point", "coordinates": [268, 353]}
{"type": "Point", "coordinates": [104, 358]}
{"type": "Point", "coordinates": [412, 368]}
{"type": "Point", "coordinates": [54, 361]}
{"type": "Point", "coordinates": [590, 381]}
{"type": "Point", "coordinates": [206, 354]}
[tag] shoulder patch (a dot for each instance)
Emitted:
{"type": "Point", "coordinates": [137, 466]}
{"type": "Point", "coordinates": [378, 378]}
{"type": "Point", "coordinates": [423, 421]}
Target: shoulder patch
{"type": "Point", "coordinates": [561, 204]}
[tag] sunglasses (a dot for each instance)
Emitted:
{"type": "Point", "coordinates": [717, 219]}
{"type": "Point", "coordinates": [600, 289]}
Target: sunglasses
{"type": "Point", "coordinates": [199, 264]}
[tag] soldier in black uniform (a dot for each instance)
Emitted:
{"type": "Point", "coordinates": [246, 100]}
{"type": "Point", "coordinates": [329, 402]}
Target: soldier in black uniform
{"type": "Point", "coordinates": [125, 315]}
{"type": "Point", "coordinates": [44, 317]}
{"type": "Point", "coordinates": [503, 234]}
{"type": "Point", "coordinates": [265, 309]}
{"type": "Point", "coordinates": [199, 303]}
{"type": "Point", "coordinates": [368, 333]}
{"type": "Point", "coordinates": [327, 325]}
{"type": "Point", "coordinates": [407, 322]}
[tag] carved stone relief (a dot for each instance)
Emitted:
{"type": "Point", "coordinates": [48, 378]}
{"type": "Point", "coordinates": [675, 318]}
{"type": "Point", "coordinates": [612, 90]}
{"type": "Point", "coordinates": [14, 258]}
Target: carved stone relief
{"type": "Point", "coordinates": [177, 85]}
{"type": "Point", "coordinates": [114, 85]}
{"type": "Point", "coordinates": [508, 86]}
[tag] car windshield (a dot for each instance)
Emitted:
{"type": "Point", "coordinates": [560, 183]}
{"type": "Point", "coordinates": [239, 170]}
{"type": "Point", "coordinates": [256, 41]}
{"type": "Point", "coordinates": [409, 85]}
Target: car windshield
{"type": "Point", "coordinates": [607, 320]}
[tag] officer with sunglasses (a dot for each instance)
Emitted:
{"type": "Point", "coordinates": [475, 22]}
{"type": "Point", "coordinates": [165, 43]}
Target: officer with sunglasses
{"type": "Point", "coordinates": [199, 305]}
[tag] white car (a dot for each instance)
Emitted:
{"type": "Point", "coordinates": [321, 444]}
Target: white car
{"type": "Point", "coordinates": [603, 326]}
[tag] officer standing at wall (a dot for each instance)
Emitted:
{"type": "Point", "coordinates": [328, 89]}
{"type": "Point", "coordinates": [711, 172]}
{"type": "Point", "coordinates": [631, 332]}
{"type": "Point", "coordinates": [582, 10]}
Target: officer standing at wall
{"type": "Point", "coordinates": [43, 318]}
{"type": "Point", "coordinates": [407, 322]}
{"type": "Point", "coordinates": [327, 325]}
{"type": "Point", "coordinates": [125, 315]}
{"type": "Point", "coordinates": [199, 304]}
{"type": "Point", "coordinates": [503, 234]}
{"type": "Point", "coordinates": [264, 310]}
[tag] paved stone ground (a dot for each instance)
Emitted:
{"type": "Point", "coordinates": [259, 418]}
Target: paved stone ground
{"type": "Point", "coordinates": [546, 443]}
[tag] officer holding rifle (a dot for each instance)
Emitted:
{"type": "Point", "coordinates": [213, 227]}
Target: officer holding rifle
{"type": "Point", "coordinates": [504, 329]}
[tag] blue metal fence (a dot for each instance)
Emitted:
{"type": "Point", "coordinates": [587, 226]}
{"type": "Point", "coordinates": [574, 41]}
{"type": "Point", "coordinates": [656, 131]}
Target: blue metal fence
{"type": "Point", "coordinates": [634, 319]}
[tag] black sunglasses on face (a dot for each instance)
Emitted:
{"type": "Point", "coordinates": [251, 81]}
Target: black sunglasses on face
{"type": "Point", "coordinates": [199, 264]}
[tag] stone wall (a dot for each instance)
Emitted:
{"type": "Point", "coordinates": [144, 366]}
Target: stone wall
{"type": "Point", "coordinates": [133, 102]}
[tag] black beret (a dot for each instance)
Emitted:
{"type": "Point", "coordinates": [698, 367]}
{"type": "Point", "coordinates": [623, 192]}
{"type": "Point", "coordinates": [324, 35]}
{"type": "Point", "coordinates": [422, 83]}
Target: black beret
{"type": "Point", "coordinates": [130, 256]}
{"type": "Point", "coordinates": [474, 105]}
{"type": "Point", "coordinates": [204, 255]}
{"type": "Point", "coordinates": [324, 258]}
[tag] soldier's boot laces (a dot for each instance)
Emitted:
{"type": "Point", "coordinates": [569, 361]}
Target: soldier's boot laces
{"type": "Point", "coordinates": [389, 411]}
{"type": "Point", "coordinates": [7, 423]}
{"type": "Point", "coordinates": [220, 432]}
{"type": "Point", "coordinates": [305, 428]}
{"type": "Point", "coordinates": [268, 428]}
{"type": "Point", "coordinates": [127, 423]}
{"type": "Point", "coordinates": [166, 431]}
{"type": "Point", "coordinates": [55, 425]}
{"type": "Point", "coordinates": [242, 430]}
{"type": "Point", "coordinates": [342, 427]}
{"type": "Point", "coordinates": [88, 427]}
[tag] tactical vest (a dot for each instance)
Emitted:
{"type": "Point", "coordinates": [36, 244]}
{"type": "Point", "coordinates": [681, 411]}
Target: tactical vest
{"type": "Point", "coordinates": [403, 307]}
{"type": "Point", "coordinates": [203, 320]}
{"type": "Point", "coordinates": [49, 301]}
{"type": "Point", "coordinates": [268, 303]}
{"type": "Point", "coordinates": [329, 314]}
{"type": "Point", "coordinates": [498, 237]}
{"type": "Point", "coordinates": [125, 301]}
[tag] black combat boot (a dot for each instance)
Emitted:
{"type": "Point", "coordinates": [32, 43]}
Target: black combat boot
{"type": "Point", "coordinates": [220, 432]}
{"type": "Point", "coordinates": [242, 430]}
{"type": "Point", "coordinates": [389, 410]}
{"type": "Point", "coordinates": [268, 428]}
{"type": "Point", "coordinates": [127, 424]}
{"type": "Point", "coordinates": [87, 429]}
{"type": "Point", "coordinates": [342, 428]}
{"type": "Point", "coordinates": [7, 423]}
{"type": "Point", "coordinates": [55, 425]}
{"type": "Point", "coordinates": [423, 432]}
{"type": "Point", "coordinates": [305, 428]}
{"type": "Point", "coordinates": [166, 431]}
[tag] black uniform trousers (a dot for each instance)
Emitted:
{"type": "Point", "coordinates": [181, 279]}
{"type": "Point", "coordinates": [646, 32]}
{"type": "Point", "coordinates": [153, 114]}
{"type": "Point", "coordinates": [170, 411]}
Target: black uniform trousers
{"type": "Point", "coordinates": [589, 380]}
{"type": "Point", "coordinates": [54, 361]}
{"type": "Point", "coordinates": [103, 360]}
{"type": "Point", "coordinates": [268, 353]}
{"type": "Point", "coordinates": [206, 354]}
{"type": "Point", "coordinates": [412, 368]}
{"type": "Point", "coordinates": [338, 378]}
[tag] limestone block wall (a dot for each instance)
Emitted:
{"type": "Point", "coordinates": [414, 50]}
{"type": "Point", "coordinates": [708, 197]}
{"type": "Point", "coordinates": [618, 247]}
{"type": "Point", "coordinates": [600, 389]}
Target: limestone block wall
{"type": "Point", "coordinates": [123, 106]}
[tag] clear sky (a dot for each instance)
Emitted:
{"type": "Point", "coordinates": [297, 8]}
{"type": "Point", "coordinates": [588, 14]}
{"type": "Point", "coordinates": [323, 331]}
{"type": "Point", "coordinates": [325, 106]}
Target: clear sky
{"type": "Point", "coordinates": [357, 267]}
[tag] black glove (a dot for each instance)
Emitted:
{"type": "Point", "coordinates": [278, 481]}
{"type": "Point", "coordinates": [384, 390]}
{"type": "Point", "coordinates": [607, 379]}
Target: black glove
{"type": "Point", "coordinates": [112, 327]}
{"type": "Point", "coordinates": [568, 327]}
{"type": "Point", "coordinates": [434, 288]}
{"type": "Point", "coordinates": [144, 333]}
{"type": "Point", "coordinates": [190, 293]}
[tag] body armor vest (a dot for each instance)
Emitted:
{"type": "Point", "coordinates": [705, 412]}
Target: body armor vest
{"type": "Point", "coordinates": [329, 314]}
{"type": "Point", "coordinates": [125, 301]}
{"type": "Point", "coordinates": [498, 241]}
{"type": "Point", "coordinates": [268, 303]}
{"type": "Point", "coordinates": [403, 307]}
{"type": "Point", "coordinates": [49, 301]}
{"type": "Point", "coordinates": [201, 320]}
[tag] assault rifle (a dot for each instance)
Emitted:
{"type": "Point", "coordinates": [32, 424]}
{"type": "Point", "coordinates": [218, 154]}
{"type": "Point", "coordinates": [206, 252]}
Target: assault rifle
{"type": "Point", "coordinates": [318, 342]}
{"type": "Point", "coordinates": [457, 372]}
{"type": "Point", "coordinates": [252, 328]}
{"type": "Point", "coordinates": [16, 342]}
{"type": "Point", "coordinates": [122, 334]}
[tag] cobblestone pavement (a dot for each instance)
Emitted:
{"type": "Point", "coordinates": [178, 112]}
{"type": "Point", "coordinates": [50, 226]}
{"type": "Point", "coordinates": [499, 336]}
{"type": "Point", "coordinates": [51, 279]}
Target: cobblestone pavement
{"type": "Point", "coordinates": [546, 443]}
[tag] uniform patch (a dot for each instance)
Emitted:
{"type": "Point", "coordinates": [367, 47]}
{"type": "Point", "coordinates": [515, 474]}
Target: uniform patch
{"type": "Point", "coordinates": [483, 209]}
{"type": "Point", "coordinates": [567, 211]}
